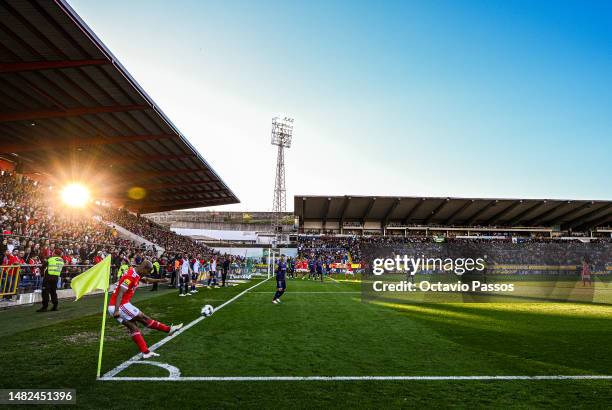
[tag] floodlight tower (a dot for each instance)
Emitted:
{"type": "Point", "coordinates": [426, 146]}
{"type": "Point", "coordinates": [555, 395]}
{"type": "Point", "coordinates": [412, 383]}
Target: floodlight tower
{"type": "Point", "coordinates": [282, 132]}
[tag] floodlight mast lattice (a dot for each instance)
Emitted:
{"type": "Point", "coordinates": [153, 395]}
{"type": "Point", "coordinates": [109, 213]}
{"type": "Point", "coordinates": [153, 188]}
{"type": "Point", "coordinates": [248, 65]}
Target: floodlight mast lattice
{"type": "Point", "coordinates": [282, 134]}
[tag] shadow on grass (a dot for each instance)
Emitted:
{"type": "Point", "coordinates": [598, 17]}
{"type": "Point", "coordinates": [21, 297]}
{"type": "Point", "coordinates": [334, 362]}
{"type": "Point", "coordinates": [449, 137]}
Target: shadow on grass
{"type": "Point", "coordinates": [575, 335]}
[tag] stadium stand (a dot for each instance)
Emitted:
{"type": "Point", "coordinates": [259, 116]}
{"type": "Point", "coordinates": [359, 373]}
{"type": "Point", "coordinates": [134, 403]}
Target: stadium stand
{"type": "Point", "coordinates": [332, 249]}
{"type": "Point", "coordinates": [33, 226]}
{"type": "Point", "coordinates": [504, 254]}
{"type": "Point", "coordinates": [163, 237]}
{"type": "Point", "coordinates": [31, 222]}
{"type": "Point", "coordinates": [517, 235]}
{"type": "Point", "coordinates": [70, 110]}
{"type": "Point", "coordinates": [72, 113]}
{"type": "Point", "coordinates": [422, 215]}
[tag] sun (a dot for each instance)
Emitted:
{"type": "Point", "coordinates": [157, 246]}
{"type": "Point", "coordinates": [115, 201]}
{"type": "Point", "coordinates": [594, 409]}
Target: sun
{"type": "Point", "coordinates": [75, 195]}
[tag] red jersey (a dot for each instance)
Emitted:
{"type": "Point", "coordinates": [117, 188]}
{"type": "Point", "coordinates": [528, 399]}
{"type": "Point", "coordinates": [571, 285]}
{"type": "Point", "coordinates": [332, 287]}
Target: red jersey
{"type": "Point", "coordinates": [6, 261]}
{"type": "Point", "coordinates": [129, 282]}
{"type": "Point", "coordinates": [14, 260]}
{"type": "Point", "coordinates": [586, 271]}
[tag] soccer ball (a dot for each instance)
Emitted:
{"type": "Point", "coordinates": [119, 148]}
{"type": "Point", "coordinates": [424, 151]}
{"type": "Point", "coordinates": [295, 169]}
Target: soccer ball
{"type": "Point", "coordinates": [207, 310]}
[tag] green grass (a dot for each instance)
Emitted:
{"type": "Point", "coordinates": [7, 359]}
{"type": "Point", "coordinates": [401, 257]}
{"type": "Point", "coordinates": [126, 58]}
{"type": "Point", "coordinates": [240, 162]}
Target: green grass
{"type": "Point", "coordinates": [323, 333]}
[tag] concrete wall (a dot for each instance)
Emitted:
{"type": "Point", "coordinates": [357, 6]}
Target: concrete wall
{"type": "Point", "coordinates": [221, 226]}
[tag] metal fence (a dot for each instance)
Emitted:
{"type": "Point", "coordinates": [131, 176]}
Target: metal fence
{"type": "Point", "coordinates": [26, 278]}
{"type": "Point", "coordinates": [15, 279]}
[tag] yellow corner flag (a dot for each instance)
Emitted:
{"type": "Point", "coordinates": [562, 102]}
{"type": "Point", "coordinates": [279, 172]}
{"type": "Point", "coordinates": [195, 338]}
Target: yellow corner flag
{"type": "Point", "coordinates": [96, 277]}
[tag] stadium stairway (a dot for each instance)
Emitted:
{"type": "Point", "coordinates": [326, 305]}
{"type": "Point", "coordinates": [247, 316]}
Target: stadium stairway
{"type": "Point", "coordinates": [133, 237]}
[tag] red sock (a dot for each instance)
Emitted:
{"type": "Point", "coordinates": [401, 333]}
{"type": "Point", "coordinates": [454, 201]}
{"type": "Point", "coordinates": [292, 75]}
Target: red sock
{"type": "Point", "coordinates": [154, 324]}
{"type": "Point", "coordinates": [140, 342]}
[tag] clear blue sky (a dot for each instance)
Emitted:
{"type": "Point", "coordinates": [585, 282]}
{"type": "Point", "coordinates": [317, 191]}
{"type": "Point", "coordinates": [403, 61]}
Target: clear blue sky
{"type": "Point", "coordinates": [445, 98]}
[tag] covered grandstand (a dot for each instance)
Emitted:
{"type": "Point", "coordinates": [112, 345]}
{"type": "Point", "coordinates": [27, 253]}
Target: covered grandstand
{"type": "Point", "coordinates": [399, 215]}
{"type": "Point", "coordinates": [71, 115]}
{"type": "Point", "coordinates": [70, 111]}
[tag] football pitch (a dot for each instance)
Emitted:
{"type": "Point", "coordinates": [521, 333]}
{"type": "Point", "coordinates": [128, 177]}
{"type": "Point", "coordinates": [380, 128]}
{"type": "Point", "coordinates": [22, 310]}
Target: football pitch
{"type": "Point", "coordinates": [321, 347]}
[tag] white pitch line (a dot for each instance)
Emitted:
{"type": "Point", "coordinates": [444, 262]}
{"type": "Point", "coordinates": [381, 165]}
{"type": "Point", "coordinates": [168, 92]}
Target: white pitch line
{"type": "Point", "coordinates": [173, 371]}
{"type": "Point", "coordinates": [292, 292]}
{"type": "Point", "coordinates": [354, 378]}
{"type": "Point", "coordinates": [135, 358]}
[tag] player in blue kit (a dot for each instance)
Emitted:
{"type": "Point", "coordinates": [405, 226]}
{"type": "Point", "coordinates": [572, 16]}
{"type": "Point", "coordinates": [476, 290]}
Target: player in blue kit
{"type": "Point", "coordinates": [319, 267]}
{"type": "Point", "coordinates": [312, 266]}
{"type": "Point", "coordinates": [281, 284]}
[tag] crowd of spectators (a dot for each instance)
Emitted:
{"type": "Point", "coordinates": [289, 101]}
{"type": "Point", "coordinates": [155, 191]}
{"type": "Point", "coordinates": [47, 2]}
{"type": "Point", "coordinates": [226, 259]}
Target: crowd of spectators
{"type": "Point", "coordinates": [149, 230]}
{"type": "Point", "coordinates": [34, 226]}
{"type": "Point", "coordinates": [31, 225]}
{"type": "Point", "coordinates": [335, 249]}
{"type": "Point", "coordinates": [499, 249]}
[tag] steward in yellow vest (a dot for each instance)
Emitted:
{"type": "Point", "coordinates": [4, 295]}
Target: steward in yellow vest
{"type": "Point", "coordinates": [156, 273]}
{"type": "Point", "coordinates": [52, 269]}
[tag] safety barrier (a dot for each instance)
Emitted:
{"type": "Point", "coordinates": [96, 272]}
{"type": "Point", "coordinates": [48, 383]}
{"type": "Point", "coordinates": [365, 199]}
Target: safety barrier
{"type": "Point", "coordinates": [15, 279]}
{"type": "Point", "coordinates": [9, 279]}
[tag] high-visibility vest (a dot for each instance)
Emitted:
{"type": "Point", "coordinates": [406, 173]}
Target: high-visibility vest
{"type": "Point", "coordinates": [156, 267]}
{"type": "Point", "coordinates": [55, 264]}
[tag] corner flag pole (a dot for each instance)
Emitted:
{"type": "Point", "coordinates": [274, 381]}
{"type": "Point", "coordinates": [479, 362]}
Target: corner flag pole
{"type": "Point", "coordinates": [96, 277]}
{"type": "Point", "coordinates": [102, 332]}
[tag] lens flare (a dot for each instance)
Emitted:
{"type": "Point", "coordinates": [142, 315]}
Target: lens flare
{"type": "Point", "coordinates": [75, 195]}
{"type": "Point", "coordinates": [137, 193]}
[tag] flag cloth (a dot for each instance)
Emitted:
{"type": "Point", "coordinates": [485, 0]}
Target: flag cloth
{"type": "Point", "coordinates": [96, 277]}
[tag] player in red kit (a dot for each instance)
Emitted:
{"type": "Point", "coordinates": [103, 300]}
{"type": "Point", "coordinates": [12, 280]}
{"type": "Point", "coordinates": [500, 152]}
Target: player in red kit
{"type": "Point", "coordinates": [129, 315]}
{"type": "Point", "coordinates": [586, 273]}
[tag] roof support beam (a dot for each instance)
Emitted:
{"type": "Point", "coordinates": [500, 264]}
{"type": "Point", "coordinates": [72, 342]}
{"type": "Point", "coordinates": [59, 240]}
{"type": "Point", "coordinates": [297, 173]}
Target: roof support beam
{"type": "Point", "coordinates": [481, 211]}
{"type": "Point", "coordinates": [184, 190]}
{"type": "Point", "coordinates": [93, 162]}
{"type": "Point", "coordinates": [154, 174]}
{"type": "Point", "coordinates": [183, 202]}
{"type": "Point", "coordinates": [392, 208]}
{"type": "Point", "coordinates": [602, 211]}
{"type": "Point", "coordinates": [131, 159]}
{"type": "Point", "coordinates": [503, 212]}
{"type": "Point", "coordinates": [436, 211]}
{"type": "Point", "coordinates": [544, 215]}
{"type": "Point", "coordinates": [561, 217]}
{"type": "Point", "coordinates": [458, 211]}
{"type": "Point", "coordinates": [413, 210]}
{"type": "Point", "coordinates": [48, 65]}
{"type": "Point", "coordinates": [153, 207]}
{"type": "Point", "coordinates": [71, 112]}
{"type": "Point", "coordinates": [303, 215]}
{"type": "Point", "coordinates": [368, 210]}
{"type": "Point", "coordinates": [167, 185]}
{"type": "Point", "coordinates": [596, 222]}
{"type": "Point", "coordinates": [171, 195]}
{"type": "Point", "coordinates": [61, 143]}
{"type": "Point", "coordinates": [526, 212]}
{"type": "Point", "coordinates": [326, 211]}
{"type": "Point", "coordinates": [343, 210]}
{"type": "Point", "coordinates": [45, 95]}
